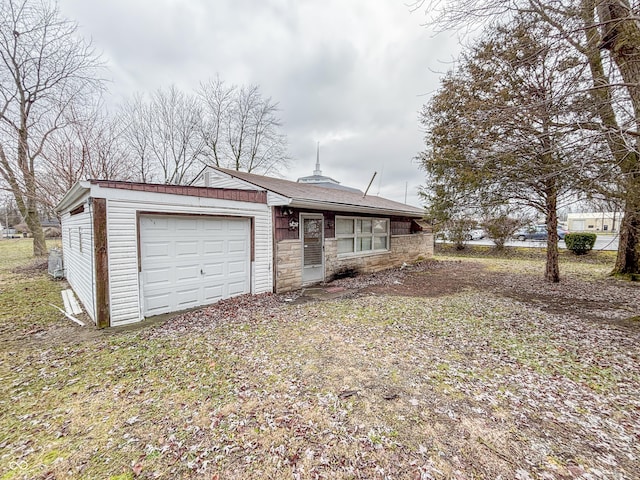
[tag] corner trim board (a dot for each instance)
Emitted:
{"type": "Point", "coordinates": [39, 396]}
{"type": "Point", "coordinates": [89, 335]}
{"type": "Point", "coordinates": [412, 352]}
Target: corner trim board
{"type": "Point", "coordinates": [101, 254]}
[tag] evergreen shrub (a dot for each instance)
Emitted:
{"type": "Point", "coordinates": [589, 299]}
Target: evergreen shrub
{"type": "Point", "coordinates": [580, 243]}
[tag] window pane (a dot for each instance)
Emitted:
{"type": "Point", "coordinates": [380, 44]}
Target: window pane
{"type": "Point", "coordinates": [364, 226]}
{"type": "Point", "coordinates": [380, 243]}
{"type": "Point", "coordinates": [344, 226]}
{"type": "Point", "coordinates": [380, 226]}
{"type": "Point", "coordinates": [313, 227]}
{"type": "Point", "coordinates": [364, 244]}
{"type": "Point", "coordinates": [345, 245]}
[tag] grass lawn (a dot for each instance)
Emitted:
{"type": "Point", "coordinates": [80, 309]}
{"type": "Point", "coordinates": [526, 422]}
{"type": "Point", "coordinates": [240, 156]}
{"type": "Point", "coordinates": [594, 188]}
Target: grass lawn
{"type": "Point", "coordinates": [454, 368]}
{"type": "Point", "coordinates": [25, 289]}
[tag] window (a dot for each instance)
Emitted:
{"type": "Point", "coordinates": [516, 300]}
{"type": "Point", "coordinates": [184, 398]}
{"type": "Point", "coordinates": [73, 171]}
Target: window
{"type": "Point", "coordinates": [362, 235]}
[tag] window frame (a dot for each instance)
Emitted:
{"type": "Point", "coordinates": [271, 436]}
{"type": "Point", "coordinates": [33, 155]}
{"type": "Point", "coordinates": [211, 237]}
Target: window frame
{"type": "Point", "coordinates": [355, 235]}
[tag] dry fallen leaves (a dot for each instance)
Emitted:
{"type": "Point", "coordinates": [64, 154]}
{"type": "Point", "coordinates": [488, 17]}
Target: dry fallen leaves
{"type": "Point", "coordinates": [438, 370]}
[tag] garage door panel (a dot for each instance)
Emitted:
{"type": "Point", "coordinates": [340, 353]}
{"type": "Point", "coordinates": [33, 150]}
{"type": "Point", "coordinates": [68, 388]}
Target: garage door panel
{"type": "Point", "coordinates": [214, 226]}
{"type": "Point", "coordinates": [212, 270]}
{"type": "Point", "coordinates": [214, 293]}
{"type": "Point", "coordinates": [157, 276]}
{"type": "Point", "coordinates": [212, 247]}
{"type": "Point", "coordinates": [237, 267]}
{"type": "Point", "coordinates": [237, 226]}
{"type": "Point", "coordinates": [157, 303]}
{"type": "Point", "coordinates": [185, 224]}
{"type": "Point", "coordinates": [192, 261]}
{"type": "Point", "coordinates": [237, 288]}
{"type": "Point", "coordinates": [186, 248]}
{"type": "Point", "coordinates": [188, 273]}
{"type": "Point", "coordinates": [155, 223]}
{"type": "Point", "coordinates": [187, 298]}
{"type": "Point", "coordinates": [236, 246]}
{"type": "Point", "coordinates": [158, 249]}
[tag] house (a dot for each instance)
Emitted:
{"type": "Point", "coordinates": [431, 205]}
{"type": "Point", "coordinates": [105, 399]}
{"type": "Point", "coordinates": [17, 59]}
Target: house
{"type": "Point", "coordinates": [135, 250]}
{"type": "Point", "coordinates": [594, 221]}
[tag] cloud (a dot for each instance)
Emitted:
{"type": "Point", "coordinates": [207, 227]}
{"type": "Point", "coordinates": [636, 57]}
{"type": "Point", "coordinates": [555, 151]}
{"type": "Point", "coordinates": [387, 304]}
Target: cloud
{"type": "Point", "coordinates": [351, 75]}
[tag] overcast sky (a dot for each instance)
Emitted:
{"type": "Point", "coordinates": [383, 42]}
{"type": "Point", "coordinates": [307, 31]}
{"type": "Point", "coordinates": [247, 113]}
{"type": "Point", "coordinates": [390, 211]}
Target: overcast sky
{"type": "Point", "coordinates": [351, 74]}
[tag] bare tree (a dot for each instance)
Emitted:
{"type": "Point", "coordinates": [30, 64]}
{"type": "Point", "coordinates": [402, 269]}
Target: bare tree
{"type": "Point", "coordinates": [165, 134]}
{"type": "Point", "coordinates": [242, 129]}
{"type": "Point", "coordinates": [90, 147]}
{"type": "Point", "coordinates": [44, 69]}
{"type": "Point", "coordinates": [217, 99]}
{"type": "Point", "coordinates": [602, 33]}
{"type": "Point", "coordinates": [171, 134]}
{"type": "Point", "coordinates": [135, 118]}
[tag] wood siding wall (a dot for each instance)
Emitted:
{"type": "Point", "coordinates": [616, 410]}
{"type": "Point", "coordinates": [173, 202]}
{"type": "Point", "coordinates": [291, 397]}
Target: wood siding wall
{"type": "Point", "coordinates": [240, 195]}
{"type": "Point", "coordinates": [399, 225]}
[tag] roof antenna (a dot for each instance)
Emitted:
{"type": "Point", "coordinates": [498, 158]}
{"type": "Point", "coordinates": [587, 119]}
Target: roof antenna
{"type": "Point", "coordinates": [369, 186]}
{"type": "Point", "coordinates": [317, 171]}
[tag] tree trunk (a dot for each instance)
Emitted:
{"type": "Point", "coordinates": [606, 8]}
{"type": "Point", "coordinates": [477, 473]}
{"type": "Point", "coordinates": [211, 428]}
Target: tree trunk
{"type": "Point", "coordinates": [29, 207]}
{"type": "Point", "coordinates": [628, 257]}
{"type": "Point", "coordinates": [552, 269]}
{"type": "Point", "coordinates": [39, 245]}
{"type": "Point", "coordinates": [28, 210]}
{"type": "Point", "coordinates": [621, 36]}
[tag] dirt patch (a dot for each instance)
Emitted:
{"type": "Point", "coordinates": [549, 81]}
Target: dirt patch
{"type": "Point", "coordinates": [60, 334]}
{"type": "Point", "coordinates": [603, 300]}
{"type": "Point", "coordinates": [427, 279]}
{"type": "Point", "coordinates": [36, 267]}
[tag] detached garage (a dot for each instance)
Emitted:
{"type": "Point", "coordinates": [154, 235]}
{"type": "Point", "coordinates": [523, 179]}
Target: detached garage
{"type": "Point", "coordinates": [137, 250]}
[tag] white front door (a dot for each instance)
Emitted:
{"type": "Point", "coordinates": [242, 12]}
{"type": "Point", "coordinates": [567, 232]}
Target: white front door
{"type": "Point", "coordinates": [312, 233]}
{"type": "Point", "coordinates": [188, 261]}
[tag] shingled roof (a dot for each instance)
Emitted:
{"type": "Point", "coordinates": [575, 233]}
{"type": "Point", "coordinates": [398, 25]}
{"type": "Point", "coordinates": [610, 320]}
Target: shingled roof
{"type": "Point", "coordinates": [312, 196]}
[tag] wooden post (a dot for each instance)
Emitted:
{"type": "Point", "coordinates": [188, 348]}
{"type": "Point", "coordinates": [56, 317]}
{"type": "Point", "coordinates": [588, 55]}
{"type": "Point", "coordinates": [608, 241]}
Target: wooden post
{"type": "Point", "coordinates": [103, 317]}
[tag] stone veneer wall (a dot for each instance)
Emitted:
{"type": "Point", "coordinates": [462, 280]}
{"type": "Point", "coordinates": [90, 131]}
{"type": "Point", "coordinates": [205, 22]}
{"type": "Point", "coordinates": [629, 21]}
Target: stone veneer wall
{"type": "Point", "coordinates": [404, 248]}
{"type": "Point", "coordinates": [288, 265]}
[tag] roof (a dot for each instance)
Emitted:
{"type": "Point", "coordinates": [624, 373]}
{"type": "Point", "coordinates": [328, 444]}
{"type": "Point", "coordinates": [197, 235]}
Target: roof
{"type": "Point", "coordinates": [579, 215]}
{"type": "Point", "coordinates": [299, 195]}
{"type": "Point", "coordinates": [81, 188]}
{"type": "Point", "coordinates": [311, 195]}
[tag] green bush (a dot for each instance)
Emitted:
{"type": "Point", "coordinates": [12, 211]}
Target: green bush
{"type": "Point", "coordinates": [580, 243]}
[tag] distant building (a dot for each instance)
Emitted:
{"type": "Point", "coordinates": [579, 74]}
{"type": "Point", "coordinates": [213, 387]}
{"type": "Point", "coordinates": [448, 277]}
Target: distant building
{"type": "Point", "coordinates": [321, 181]}
{"type": "Point", "coordinates": [594, 221]}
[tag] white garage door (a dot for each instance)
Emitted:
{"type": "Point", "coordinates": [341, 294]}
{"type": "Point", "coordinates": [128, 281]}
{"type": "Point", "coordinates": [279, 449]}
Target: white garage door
{"type": "Point", "coordinates": [192, 261]}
